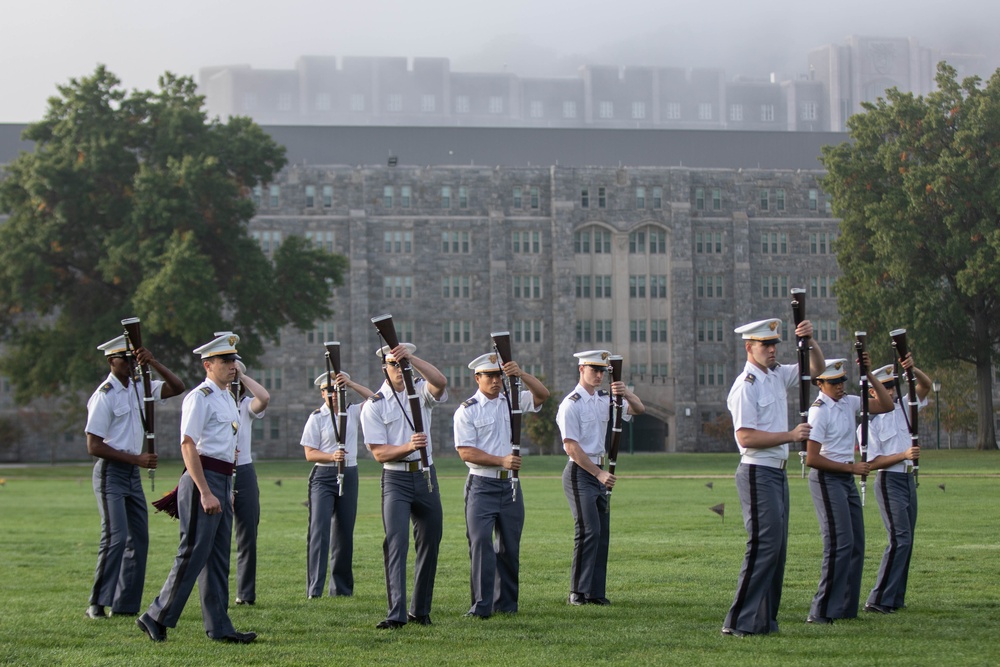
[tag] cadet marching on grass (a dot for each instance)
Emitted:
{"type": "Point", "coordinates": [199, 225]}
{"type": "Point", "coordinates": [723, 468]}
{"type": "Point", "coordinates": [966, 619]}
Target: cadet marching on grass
{"type": "Point", "coordinates": [583, 422]}
{"type": "Point", "coordinates": [830, 454]}
{"type": "Point", "coordinates": [388, 431]}
{"type": "Point", "coordinates": [332, 512]}
{"type": "Point", "coordinates": [115, 435]}
{"type": "Point", "coordinates": [210, 421]}
{"type": "Point", "coordinates": [246, 493]}
{"type": "Point", "coordinates": [891, 452]}
{"type": "Point", "coordinates": [482, 431]}
{"type": "Point", "coordinates": [760, 422]}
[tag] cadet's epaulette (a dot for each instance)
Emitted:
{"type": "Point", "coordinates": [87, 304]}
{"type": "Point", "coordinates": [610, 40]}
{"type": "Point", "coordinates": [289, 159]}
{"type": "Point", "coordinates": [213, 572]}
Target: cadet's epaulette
{"type": "Point", "coordinates": [751, 378]}
{"type": "Point", "coordinates": [574, 397]}
{"type": "Point", "coordinates": [817, 403]}
{"type": "Point", "coordinates": [602, 392]}
{"type": "Point", "coordinates": [207, 391]}
{"type": "Point", "coordinates": [317, 411]}
{"type": "Point", "coordinates": [471, 401]}
{"type": "Point", "coordinates": [105, 388]}
{"type": "Point", "coordinates": [375, 397]}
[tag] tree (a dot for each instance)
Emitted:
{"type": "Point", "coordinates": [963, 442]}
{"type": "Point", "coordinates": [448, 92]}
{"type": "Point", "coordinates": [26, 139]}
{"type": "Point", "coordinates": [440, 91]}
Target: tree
{"type": "Point", "coordinates": [918, 193]}
{"type": "Point", "coordinates": [541, 426]}
{"type": "Point", "coordinates": [136, 205]}
{"type": "Point", "coordinates": [958, 399]}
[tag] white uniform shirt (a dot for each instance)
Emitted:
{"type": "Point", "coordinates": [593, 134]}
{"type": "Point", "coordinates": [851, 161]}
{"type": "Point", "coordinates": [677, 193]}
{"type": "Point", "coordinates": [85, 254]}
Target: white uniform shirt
{"type": "Point", "coordinates": [247, 416]}
{"type": "Point", "coordinates": [113, 413]}
{"type": "Point", "coordinates": [889, 433]}
{"type": "Point", "coordinates": [485, 424]}
{"type": "Point", "coordinates": [758, 399]}
{"type": "Point", "coordinates": [383, 423]}
{"type": "Point", "coordinates": [584, 418]}
{"type": "Point", "coordinates": [210, 417]}
{"type": "Point", "coordinates": [833, 426]}
{"type": "Point", "coordinates": [318, 434]}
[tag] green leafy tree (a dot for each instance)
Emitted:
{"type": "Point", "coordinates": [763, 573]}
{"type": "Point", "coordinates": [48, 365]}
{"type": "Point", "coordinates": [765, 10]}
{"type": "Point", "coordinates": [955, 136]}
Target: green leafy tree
{"type": "Point", "coordinates": [918, 192]}
{"type": "Point", "coordinates": [134, 204]}
{"type": "Point", "coordinates": [958, 400]}
{"type": "Point", "coordinates": [541, 426]}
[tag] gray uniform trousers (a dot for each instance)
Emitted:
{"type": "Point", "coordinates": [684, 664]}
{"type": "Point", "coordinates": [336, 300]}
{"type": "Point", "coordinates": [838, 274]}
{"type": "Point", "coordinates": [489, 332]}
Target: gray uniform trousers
{"type": "Point", "coordinates": [405, 497]}
{"type": "Point", "coordinates": [331, 515]}
{"type": "Point", "coordinates": [121, 553]}
{"type": "Point", "coordinates": [203, 555]}
{"type": "Point", "coordinates": [841, 522]}
{"type": "Point", "coordinates": [493, 525]}
{"type": "Point", "coordinates": [763, 495]}
{"type": "Point", "coordinates": [897, 502]}
{"type": "Point", "coordinates": [588, 501]}
{"type": "Point", "coordinates": [246, 518]}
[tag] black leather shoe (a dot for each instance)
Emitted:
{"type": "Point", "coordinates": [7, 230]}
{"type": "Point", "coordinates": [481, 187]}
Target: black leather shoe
{"type": "Point", "coordinates": [95, 611]}
{"type": "Point", "coordinates": [878, 609]}
{"type": "Point", "coordinates": [237, 638]}
{"type": "Point", "coordinates": [423, 619]}
{"type": "Point", "coordinates": [123, 613]}
{"type": "Point", "coordinates": [242, 602]}
{"type": "Point", "coordinates": [153, 628]}
{"type": "Point", "coordinates": [819, 620]}
{"type": "Point", "coordinates": [389, 624]}
{"type": "Point", "coordinates": [472, 614]}
{"type": "Point", "coordinates": [604, 602]}
{"type": "Point", "coordinates": [733, 632]}
{"type": "Point", "coordinates": [577, 599]}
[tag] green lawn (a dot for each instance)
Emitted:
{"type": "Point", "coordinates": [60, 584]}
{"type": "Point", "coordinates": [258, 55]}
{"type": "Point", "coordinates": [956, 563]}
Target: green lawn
{"type": "Point", "coordinates": [672, 576]}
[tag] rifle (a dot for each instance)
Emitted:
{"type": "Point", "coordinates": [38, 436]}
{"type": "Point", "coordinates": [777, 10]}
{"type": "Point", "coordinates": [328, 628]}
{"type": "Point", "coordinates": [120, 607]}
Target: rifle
{"type": "Point", "coordinates": [805, 376]}
{"type": "Point", "coordinates": [899, 344]}
{"type": "Point", "coordinates": [859, 346]}
{"type": "Point", "coordinates": [615, 363]}
{"type": "Point", "coordinates": [340, 421]}
{"type": "Point", "coordinates": [386, 329]}
{"type": "Point", "coordinates": [133, 341]}
{"type": "Point", "coordinates": [501, 344]}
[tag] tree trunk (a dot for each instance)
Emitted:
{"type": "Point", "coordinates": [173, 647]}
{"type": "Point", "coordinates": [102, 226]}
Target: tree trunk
{"type": "Point", "coordinates": [986, 433]}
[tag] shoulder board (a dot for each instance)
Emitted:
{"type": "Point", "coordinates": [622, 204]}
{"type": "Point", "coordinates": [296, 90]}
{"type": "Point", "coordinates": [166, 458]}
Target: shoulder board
{"type": "Point", "coordinates": [751, 378]}
{"type": "Point", "coordinates": [817, 403]}
{"type": "Point", "coordinates": [471, 401]}
{"type": "Point", "coordinates": [375, 397]}
{"type": "Point", "coordinates": [602, 392]}
{"type": "Point", "coordinates": [105, 388]}
{"type": "Point", "coordinates": [317, 411]}
{"type": "Point", "coordinates": [206, 391]}
{"type": "Point", "coordinates": [574, 397]}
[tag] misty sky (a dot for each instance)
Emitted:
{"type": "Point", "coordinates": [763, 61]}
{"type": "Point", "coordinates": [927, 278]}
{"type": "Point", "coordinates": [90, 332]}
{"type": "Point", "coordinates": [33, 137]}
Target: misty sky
{"type": "Point", "coordinates": [43, 43]}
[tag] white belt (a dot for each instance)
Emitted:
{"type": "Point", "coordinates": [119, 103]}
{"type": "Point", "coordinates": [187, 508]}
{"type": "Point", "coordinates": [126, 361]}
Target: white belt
{"type": "Point", "coordinates": [492, 473]}
{"type": "Point", "coordinates": [762, 461]}
{"type": "Point", "coordinates": [334, 465]}
{"type": "Point", "coordinates": [597, 460]}
{"type": "Point", "coordinates": [405, 466]}
{"type": "Point", "coordinates": [903, 466]}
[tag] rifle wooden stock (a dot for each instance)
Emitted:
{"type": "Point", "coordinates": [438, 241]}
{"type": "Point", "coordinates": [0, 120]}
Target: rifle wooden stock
{"type": "Point", "coordinates": [615, 363]}
{"type": "Point", "coordinates": [899, 343]}
{"type": "Point", "coordinates": [805, 376]}
{"type": "Point", "coordinates": [387, 330]}
{"type": "Point", "coordinates": [859, 347]}
{"type": "Point", "coordinates": [340, 421]}
{"type": "Point", "coordinates": [501, 343]}
{"type": "Point", "coordinates": [133, 341]}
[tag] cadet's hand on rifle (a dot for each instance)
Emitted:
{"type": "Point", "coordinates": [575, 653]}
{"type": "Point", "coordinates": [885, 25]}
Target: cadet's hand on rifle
{"type": "Point", "coordinates": [907, 363]}
{"type": "Point", "coordinates": [860, 468]}
{"type": "Point", "coordinates": [511, 369]}
{"type": "Point", "coordinates": [339, 455]}
{"type": "Point", "coordinates": [146, 461]}
{"type": "Point", "coordinates": [418, 441]}
{"type": "Point", "coordinates": [804, 330]}
{"type": "Point", "coordinates": [143, 356]}
{"type": "Point", "coordinates": [511, 462]}
{"type": "Point", "coordinates": [801, 432]}
{"type": "Point", "coordinates": [606, 478]}
{"type": "Point", "coordinates": [912, 453]}
{"type": "Point", "coordinates": [210, 504]}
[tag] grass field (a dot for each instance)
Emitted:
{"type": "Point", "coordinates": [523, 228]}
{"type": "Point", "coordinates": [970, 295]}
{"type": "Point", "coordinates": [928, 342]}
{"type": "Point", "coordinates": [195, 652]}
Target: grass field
{"type": "Point", "coordinates": [673, 569]}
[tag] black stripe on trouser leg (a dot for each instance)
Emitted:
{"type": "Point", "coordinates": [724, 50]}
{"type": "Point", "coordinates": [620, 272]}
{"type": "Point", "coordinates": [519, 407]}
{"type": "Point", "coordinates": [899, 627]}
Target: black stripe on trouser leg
{"type": "Point", "coordinates": [831, 524]}
{"type": "Point", "coordinates": [883, 490]}
{"type": "Point", "coordinates": [754, 544]}
{"type": "Point", "coordinates": [192, 527]}
{"type": "Point", "coordinates": [578, 548]}
{"type": "Point", "coordinates": [105, 540]}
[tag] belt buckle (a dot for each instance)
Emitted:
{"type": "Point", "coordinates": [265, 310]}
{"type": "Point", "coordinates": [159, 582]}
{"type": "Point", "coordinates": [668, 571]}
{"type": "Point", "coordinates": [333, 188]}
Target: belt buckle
{"type": "Point", "coordinates": [784, 463]}
{"type": "Point", "coordinates": [502, 474]}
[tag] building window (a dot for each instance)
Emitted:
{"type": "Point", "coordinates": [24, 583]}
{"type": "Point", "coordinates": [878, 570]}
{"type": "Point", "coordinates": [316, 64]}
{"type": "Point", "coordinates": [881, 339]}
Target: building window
{"type": "Point", "coordinates": [699, 199]}
{"type": "Point", "coordinates": [455, 242]}
{"type": "Point", "coordinates": [828, 330]}
{"type": "Point", "coordinates": [457, 331]}
{"type": "Point", "coordinates": [357, 102]}
{"type": "Point", "coordinates": [736, 113]}
{"type": "Point", "coordinates": [461, 104]}
{"type": "Point", "coordinates": [779, 196]}
{"type": "Point", "coordinates": [709, 287]}
{"type": "Point", "coordinates": [765, 196]}
{"type": "Point", "coordinates": [322, 333]}
{"type": "Point", "coordinates": [657, 241]}
{"type": "Point", "coordinates": [640, 197]}
{"type": "Point", "coordinates": [767, 113]}
{"type": "Point", "coordinates": [445, 196]}
{"type": "Point", "coordinates": [535, 198]}
{"type": "Point", "coordinates": [583, 331]}
{"type": "Point", "coordinates": [569, 109]}
{"type": "Point", "coordinates": [249, 101]}
{"type": "Point", "coordinates": [658, 287]}
{"type": "Point", "coordinates": [397, 242]}
{"type": "Point", "coordinates": [536, 109]}
{"type": "Point", "coordinates": [269, 240]}
{"type": "Point", "coordinates": [773, 287]}
{"type": "Point", "coordinates": [673, 111]}
{"type": "Point", "coordinates": [704, 111]}
{"type": "Point", "coordinates": [658, 331]}
{"type": "Point", "coordinates": [428, 103]}
{"type": "Point", "coordinates": [708, 243]}
{"type": "Point", "coordinates": [606, 109]}
{"type": "Point", "coordinates": [637, 331]}
{"type": "Point", "coordinates": [322, 240]}
{"type": "Point", "coordinates": [774, 243]}
{"type": "Point", "coordinates": [256, 195]}
{"type": "Point", "coordinates": [284, 102]}
{"type": "Point", "coordinates": [526, 242]}
{"type": "Point", "coordinates": [602, 331]}
{"type": "Point", "coordinates": [387, 196]}
{"type": "Point", "coordinates": [637, 243]}
{"type": "Point", "coordinates": [394, 103]}
{"type": "Point", "coordinates": [496, 104]}
{"type": "Point", "coordinates": [463, 197]}
{"type": "Point", "coordinates": [637, 287]}
{"type": "Point", "coordinates": [711, 375]}
{"type": "Point", "coordinates": [581, 242]}
{"type": "Point", "coordinates": [455, 287]}
{"type": "Point", "coordinates": [716, 199]}
{"type": "Point", "coordinates": [821, 286]}
{"type": "Point", "coordinates": [657, 198]}
{"type": "Point", "coordinates": [323, 101]}
{"type": "Point", "coordinates": [602, 287]}
{"type": "Point", "coordinates": [327, 196]}
{"type": "Point", "coordinates": [583, 287]}
{"type": "Point", "coordinates": [275, 196]}
{"type": "Point", "coordinates": [813, 199]}
{"type": "Point", "coordinates": [638, 110]}
{"type": "Point", "coordinates": [517, 197]}
{"type": "Point", "coordinates": [821, 243]}
{"type": "Point", "coordinates": [404, 196]}
{"type": "Point", "coordinates": [527, 287]}
{"type": "Point", "coordinates": [810, 111]}
{"type": "Point", "coordinates": [528, 331]}
{"type": "Point", "coordinates": [397, 287]}
{"type": "Point", "coordinates": [584, 198]}
{"type": "Point", "coordinates": [710, 331]}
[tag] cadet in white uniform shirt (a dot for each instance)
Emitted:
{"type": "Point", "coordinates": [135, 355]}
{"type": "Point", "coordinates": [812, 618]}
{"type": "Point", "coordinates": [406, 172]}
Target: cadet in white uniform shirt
{"type": "Point", "coordinates": [891, 452]}
{"type": "Point", "coordinates": [115, 435]}
{"type": "Point", "coordinates": [332, 513]}
{"type": "Point", "coordinates": [583, 422]}
{"type": "Point", "coordinates": [483, 439]}
{"type": "Point", "coordinates": [830, 454]}
{"type": "Point", "coordinates": [210, 421]}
